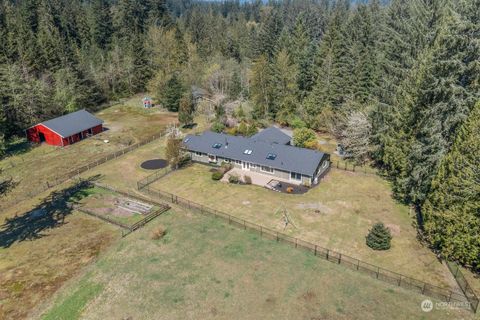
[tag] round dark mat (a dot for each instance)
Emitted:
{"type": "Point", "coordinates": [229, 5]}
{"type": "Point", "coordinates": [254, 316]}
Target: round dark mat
{"type": "Point", "coordinates": [154, 164]}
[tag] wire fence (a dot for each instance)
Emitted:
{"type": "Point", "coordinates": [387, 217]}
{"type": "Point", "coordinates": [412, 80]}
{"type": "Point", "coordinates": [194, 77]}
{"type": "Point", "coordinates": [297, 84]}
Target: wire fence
{"type": "Point", "coordinates": [348, 166]}
{"type": "Point", "coordinates": [76, 172]}
{"type": "Point", "coordinates": [463, 284]}
{"type": "Point", "coordinates": [394, 278]}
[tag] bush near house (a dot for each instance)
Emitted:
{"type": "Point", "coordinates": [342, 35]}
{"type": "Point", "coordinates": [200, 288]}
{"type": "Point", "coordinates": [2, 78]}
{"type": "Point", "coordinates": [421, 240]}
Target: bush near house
{"type": "Point", "coordinates": [217, 175]}
{"type": "Point", "coordinates": [379, 237]}
{"type": "Point", "coordinates": [247, 180]}
{"type": "Point", "coordinates": [233, 179]}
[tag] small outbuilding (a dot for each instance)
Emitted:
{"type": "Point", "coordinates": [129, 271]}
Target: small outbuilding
{"type": "Point", "coordinates": [147, 102]}
{"type": "Point", "coordinates": [65, 130]}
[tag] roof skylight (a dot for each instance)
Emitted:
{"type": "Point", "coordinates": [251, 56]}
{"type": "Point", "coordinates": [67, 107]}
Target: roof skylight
{"type": "Point", "coordinates": [247, 151]}
{"type": "Point", "coordinates": [271, 156]}
{"type": "Point", "coordinates": [217, 145]}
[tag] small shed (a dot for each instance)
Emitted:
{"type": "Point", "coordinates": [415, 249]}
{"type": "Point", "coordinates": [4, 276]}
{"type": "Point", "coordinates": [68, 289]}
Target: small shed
{"type": "Point", "coordinates": [147, 102]}
{"type": "Point", "coordinates": [65, 130]}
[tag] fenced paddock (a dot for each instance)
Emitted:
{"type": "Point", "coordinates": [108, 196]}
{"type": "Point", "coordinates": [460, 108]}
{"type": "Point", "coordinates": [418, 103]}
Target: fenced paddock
{"type": "Point", "coordinates": [48, 184]}
{"type": "Point", "coordinates": [376, 272]}
{"type": "Point", "coordinates": [127, 228]}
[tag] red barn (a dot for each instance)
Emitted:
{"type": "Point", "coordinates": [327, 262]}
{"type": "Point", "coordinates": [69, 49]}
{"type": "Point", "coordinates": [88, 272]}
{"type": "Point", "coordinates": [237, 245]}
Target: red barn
{"type": "Point", "coordinates": [66, 129]}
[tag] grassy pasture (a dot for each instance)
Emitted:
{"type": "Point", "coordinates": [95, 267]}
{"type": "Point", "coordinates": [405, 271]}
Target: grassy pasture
{"type": "Point", "coordinates": [204, 269]}
{"type": "Point", "coordinates": [42, 245]}
{"type": "Point", "coordinates": [336, 214]}
{"type": "Point", "coordinates": [127, 123]}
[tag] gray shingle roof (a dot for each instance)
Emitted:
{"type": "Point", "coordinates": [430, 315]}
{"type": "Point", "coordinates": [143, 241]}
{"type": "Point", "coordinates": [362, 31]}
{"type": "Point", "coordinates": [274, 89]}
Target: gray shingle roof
{"type": "Point", "coordinates": [272, 135]}
{"type": "Point", "coordinates": [72, 123]}
{"type": "Point", "coordinates": [288, 158]}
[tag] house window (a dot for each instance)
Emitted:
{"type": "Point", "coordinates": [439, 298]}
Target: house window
{"type": "Point", "coordinates": [247, 151]}
{"type": "Point", "coordinates": [238, 161]}
{"type": "Point", "coordinates": [266, 169]}
{"type": "Point", "coordinates": [198, 154]}
{"type": "Point", "coordinates": [271, 156]}
{"type": "Point", "coordinates": [295, 176]}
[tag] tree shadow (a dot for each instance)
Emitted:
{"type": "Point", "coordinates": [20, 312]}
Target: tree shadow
{"type": "Point", "coordinates": [18, 147]}
{"type": "Point", "coordinates": [7, 185]}
{"type": "Point", "coordinates": [49, 214]}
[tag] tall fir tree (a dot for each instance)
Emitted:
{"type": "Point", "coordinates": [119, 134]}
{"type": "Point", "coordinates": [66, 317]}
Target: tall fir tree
{"type": "Point", "coordinates": [450, 213]}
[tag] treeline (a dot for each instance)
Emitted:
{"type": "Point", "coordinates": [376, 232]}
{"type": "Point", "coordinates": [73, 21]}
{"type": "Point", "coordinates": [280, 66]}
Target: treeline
{"type": "Point", "coordinates": [396, 83]}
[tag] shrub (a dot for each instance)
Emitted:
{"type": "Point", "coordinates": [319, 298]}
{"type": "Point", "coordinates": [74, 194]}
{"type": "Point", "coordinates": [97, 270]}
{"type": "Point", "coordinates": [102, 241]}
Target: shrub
{"type": "Point", "coordinates": [233, 179]}
{"type": "Point", "coordinates": [304, 137]}
{"type": "Point", "coordinates": [247, 179]}
{"type": "Point", "coordinates": [297, 123]}
{"type": "Point", "coordinates": [217, 127]}
{"type": "Point", "coordinates": [379, 237]}
{"type": "Point", "coordinates": [217, 175]}
{"type": "Point", "coordinates": [158, 233]}
{"type": "Point", "coordinates": [225, 167]}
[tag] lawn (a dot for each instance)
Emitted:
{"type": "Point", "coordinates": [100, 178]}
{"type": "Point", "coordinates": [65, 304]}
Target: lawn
{"type": "Point", "coordinates": [127, 123]}
{"type": "Point", "coordinates": [336, 214]}
{"type": "Point", "coordinates": [204, 269]}
{"type": "Point", "coordinates": [41, 246]}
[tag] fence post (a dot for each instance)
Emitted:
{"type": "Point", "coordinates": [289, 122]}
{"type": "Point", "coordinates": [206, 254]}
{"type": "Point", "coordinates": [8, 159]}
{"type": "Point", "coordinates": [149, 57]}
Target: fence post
{"type": "Point", "coordinates": [277, 236]}
{"type": "Point", "coordinates": [423, 289]}
{"type": "Point", "coordinates": [353, 168]}
{"type": "Point", "coordinates": [378, 271]}
{"type": "Point", "coordinates": [296, 242]}
{"type": "Point", "coordinates": [229, 219]}
{"type": "Point", "coordinates": [339, 258]}
{"type": "Point", "coordinates": [449, 296]}
{"type": "Point", "coordinates": [244, 225]}
{"type": "Point", "coordinates": [315, 250]}
{"type": "Point", "coordinates": [400, 281]}
{"type": "Point", "coordinates": [328, 253]}
{"type": "Point", "coordinates": [358, 264]}
{"type": "Point", "coordinates": [261, 231]}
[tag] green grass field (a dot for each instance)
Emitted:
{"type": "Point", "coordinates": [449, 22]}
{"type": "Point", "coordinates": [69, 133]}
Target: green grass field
{"type": "Point", "coordinates": [336, 214]}
{"type": "Point", "coordinates": [205, 269]}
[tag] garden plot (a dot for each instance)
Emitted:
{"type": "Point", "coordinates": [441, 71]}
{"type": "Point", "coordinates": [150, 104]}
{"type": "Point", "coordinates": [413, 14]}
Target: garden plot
{"type": "Point", "coordinates": [116, 207]}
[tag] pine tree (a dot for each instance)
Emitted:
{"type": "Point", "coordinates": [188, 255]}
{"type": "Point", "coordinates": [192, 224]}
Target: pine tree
{"type": "Point", "coordinates": [235, 88]}
{"type": "Point", "coordinates": [450, 213]}
{"type": "Point", "coordinates": [445, 97]}
{"type": "Point", "coordinates": [186, 109]}
{"type": "Point", "coordinates": [262, 88]}
{"type": "Point", "coordinates": [379, 237]}
{"type": "Point", "coordinates": [173, 94]}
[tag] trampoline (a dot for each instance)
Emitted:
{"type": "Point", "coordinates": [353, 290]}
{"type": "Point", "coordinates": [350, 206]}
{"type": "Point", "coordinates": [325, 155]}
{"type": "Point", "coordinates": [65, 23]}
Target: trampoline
{"type": "Point", "coordinates": [154, 164]}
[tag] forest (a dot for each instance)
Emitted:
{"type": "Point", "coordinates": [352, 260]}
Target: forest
{"type": "Point", "coordinates": [397, 82]}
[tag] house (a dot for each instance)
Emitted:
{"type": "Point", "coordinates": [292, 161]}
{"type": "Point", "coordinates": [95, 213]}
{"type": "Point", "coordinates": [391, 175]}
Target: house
{"type": "Point", "coordinates": [268, 152]}
{"type": "Point", "coordinates": [65, 130]}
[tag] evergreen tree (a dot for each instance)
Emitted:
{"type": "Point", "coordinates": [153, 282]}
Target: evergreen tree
{"type": "Point", "coordinates": [450, 213]}
{"type": "Point", "coordinates": [186, 109]}
{"type": "Point", "coordinates": [235, 88]}
{"type": "Point", "coordinates": [445, 97]}
{"type": "Point", "coordinates": [173, 94]}
{"type": "Point", "coordinates": [379, 237]}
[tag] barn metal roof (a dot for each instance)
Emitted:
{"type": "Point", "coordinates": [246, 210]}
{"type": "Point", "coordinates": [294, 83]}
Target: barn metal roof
{"type": "Point", "coordinates": [286, 157]}
{"type": "Point", "coordinates": [72, 123]}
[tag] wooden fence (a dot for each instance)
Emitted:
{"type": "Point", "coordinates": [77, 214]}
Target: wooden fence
{"type": "Point", "coordinates": [394, 278]}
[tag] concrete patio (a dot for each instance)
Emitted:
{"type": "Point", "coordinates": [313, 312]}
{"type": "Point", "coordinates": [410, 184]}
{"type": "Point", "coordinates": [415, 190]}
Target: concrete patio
{"type": "Point", "coordinates": [257, 178]}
